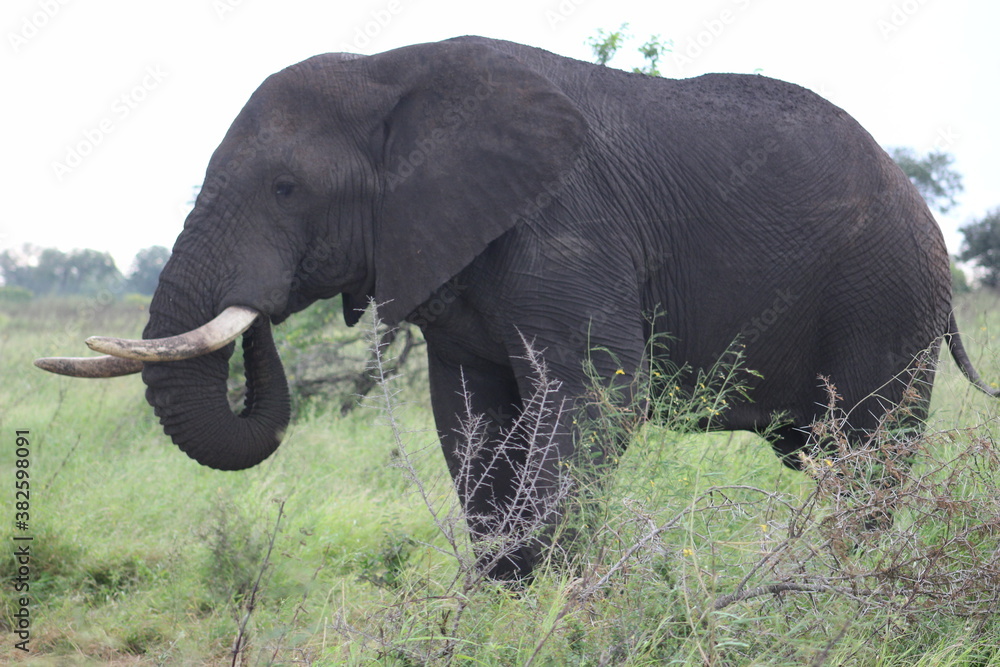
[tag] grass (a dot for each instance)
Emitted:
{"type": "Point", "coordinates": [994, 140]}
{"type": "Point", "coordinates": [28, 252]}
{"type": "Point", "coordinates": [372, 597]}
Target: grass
{"type": "Point", "coordinates": [707, 551]}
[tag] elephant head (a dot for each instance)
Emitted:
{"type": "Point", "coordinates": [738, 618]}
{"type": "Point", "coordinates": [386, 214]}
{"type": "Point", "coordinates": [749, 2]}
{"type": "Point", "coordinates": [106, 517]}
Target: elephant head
{"type": "Point", "coordinates": [375, 177]}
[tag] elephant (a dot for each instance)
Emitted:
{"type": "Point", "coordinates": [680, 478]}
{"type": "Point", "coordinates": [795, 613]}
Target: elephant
{"type": "Point", "coordinates": [500, 196]}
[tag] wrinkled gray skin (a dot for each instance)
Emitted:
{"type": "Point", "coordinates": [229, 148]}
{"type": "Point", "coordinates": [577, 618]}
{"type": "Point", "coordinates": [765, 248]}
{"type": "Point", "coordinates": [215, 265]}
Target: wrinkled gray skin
{"type": "Point", "coordinates": [488, 191]}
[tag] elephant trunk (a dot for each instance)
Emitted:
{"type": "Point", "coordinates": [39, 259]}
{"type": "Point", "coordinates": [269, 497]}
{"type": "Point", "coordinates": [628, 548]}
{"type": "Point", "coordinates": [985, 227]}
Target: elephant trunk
{"type": "Point", "coordinates": [190, 398]}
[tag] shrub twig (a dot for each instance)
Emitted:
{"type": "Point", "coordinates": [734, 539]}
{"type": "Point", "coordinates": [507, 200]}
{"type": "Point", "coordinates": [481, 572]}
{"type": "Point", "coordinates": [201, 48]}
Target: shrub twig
{"type": "Point", "coordinates": [240, 643]}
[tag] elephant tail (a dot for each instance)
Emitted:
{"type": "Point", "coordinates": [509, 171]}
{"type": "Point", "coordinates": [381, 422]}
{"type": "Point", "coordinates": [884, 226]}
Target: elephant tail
{"type": "Point", "coordinates": [962, 359]}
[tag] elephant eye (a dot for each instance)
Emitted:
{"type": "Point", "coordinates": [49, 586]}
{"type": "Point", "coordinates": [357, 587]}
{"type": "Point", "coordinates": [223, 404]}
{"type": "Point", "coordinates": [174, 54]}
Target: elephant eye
{"type": "Point", "coordinates": [284, 189]}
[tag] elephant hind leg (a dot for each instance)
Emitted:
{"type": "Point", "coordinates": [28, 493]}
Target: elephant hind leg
{"type": "Point", "coordinates": [787, 441]}
{"type": "Point", "coordinates": [880, 433]}
{"type": "Point", "coordinates": [791, 441]}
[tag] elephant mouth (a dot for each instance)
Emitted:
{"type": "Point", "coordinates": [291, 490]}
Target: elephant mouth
{"type": "Point", "coordinates": [125, 357]}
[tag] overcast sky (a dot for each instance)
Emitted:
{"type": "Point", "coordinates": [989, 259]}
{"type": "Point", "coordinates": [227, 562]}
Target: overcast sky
{"type": "Point", "coordinates": [114, 107]}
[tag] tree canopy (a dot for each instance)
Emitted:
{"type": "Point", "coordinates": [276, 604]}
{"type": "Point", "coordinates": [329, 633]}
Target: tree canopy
{"type": "Point", "coordinates": [933, 175]}
{"type": "Point", "coordinates": [982, 246]}
{"type": "Point", "coordinates": [146, 267]}
{"type": "Point", "coordinates": [49, 271]}
{"type": "Point", "coordinates": [606, 44]}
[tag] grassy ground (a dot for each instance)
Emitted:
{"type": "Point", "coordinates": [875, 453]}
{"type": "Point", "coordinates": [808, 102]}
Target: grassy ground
{"type": "Point", "coordinates": [709, 551]}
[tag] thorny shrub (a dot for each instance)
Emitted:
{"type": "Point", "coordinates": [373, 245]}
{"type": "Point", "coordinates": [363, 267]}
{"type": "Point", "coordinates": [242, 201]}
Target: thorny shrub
{"type": "Point", "coordinates": [939, 555]}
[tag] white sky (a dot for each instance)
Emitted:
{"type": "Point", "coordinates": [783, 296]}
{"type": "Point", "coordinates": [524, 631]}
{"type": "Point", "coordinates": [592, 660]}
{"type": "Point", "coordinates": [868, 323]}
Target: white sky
{"type": "Point", "coordinates": [916, 73]}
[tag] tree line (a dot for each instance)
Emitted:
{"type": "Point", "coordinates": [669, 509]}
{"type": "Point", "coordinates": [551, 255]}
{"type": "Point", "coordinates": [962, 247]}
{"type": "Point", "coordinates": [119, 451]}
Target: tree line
{"type": "Point", "coordinates": [52, 272]}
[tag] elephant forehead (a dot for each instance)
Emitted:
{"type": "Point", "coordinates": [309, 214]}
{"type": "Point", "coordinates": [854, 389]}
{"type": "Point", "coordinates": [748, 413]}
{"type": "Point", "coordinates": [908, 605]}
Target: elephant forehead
{"type": "Point", "coordinates": [272, 123]}
{"type": "Point", "coordinates": [271, 150]}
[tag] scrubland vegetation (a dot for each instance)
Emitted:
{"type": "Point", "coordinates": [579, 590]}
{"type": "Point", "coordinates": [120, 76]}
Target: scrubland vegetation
{"type": "Point", "coordinates": [346, 546]}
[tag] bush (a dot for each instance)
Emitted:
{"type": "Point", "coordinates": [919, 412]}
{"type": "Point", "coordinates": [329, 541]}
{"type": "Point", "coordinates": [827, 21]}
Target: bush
{"type": "Point", "coordinates": [982, 246]}
{"type": "Point", "coordinates": [959, 281]}
{"type": "Point", "coordinates": [15, 294]}
{"type": "Point", "coordinates": [699, 557]}
{"type": "Point", "coordinates": [328, 367]}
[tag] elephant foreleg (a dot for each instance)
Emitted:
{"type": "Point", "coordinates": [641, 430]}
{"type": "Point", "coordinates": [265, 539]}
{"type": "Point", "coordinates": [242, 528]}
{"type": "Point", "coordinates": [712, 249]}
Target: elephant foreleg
{"type": "Point", "coordinates": [476, 408]}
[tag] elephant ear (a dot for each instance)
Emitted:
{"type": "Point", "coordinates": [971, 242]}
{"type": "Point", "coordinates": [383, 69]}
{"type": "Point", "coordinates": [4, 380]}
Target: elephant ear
{"type": "Point", "coordinates": [472, 141]}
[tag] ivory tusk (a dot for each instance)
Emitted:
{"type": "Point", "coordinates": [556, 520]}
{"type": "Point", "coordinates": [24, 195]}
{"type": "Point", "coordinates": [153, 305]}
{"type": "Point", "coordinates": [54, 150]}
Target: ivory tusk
{"type": "Point", "coordinates": [221, 331]}
{"type": "Point", "coordinates": [89, 367]}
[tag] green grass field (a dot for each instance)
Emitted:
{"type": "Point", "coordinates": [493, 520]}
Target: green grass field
{"type": "Point", "coordinates": [707, 550]}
